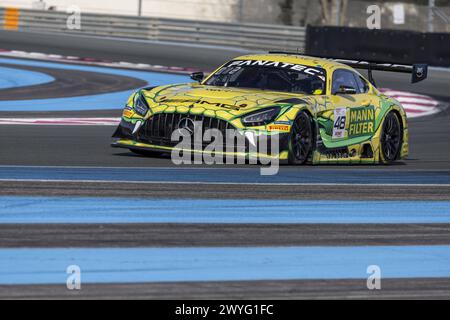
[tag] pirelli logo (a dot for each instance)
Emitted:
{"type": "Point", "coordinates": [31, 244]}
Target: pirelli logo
{"type": "Point", "coordinates": [127, 113]}
{"type": "Point", "coordinates": [280, 127]}
{"type": "Point", "coordinates": [11, 19]}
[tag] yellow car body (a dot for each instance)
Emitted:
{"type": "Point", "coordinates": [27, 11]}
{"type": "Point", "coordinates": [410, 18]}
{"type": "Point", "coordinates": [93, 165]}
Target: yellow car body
{"type": "Point", "coordinates": [346, 127]}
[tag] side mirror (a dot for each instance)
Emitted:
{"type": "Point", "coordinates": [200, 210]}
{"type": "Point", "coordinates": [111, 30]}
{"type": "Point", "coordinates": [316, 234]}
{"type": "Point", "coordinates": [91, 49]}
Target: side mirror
{"type": "Point", "coordinates": [197, 76]}
{"type": "Point", "coordinates": [346, 90]}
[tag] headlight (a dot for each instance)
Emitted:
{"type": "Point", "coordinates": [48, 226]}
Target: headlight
{"type": "Point", "coordinates": [140, 105]}
{"type": "Point", "coordinates": [260, 118]}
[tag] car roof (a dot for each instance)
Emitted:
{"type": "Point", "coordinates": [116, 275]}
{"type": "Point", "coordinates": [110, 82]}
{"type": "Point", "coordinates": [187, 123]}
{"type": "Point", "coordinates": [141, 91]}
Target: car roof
{"type": "Point", "coordinates": [296, 59]}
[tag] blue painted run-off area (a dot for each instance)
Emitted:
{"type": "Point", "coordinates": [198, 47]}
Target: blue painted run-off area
{"type": "Point", "coordinates": [139, 265]}
{"type": "Point", "coordinates": [25, 209]}
{"type": "Point", "coordinates": [230, 175]}
{"type": "Point", "coordinates": [115, 100]}
{"type": "Point", "coordinates": [14, 78]}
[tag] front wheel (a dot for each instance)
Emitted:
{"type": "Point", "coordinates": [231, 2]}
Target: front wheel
{"type": "Point", "coordinates": [301, 139]}
{"type": "Point", "coordinates": [391, 138]}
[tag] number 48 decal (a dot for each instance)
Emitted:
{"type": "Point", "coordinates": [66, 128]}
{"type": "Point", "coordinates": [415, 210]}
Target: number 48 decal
{"type": "Point", "coordinates": [340, 122]}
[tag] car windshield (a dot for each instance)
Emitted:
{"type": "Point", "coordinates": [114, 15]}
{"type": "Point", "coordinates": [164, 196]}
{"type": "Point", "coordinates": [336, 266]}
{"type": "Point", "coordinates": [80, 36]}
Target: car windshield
{"type": "Point", "coordinates": [270, 75]}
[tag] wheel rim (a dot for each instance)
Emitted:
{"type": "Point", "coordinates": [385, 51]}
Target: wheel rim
{"type": "Point", "coordinates": [391, 137]}
{"type": "Point", "coordinates": [301, 138]}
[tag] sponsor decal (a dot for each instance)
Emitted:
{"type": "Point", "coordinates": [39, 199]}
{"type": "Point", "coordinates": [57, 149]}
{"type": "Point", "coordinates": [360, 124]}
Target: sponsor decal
{"type": "Point", "coordinates": [194, 103]}
{"type": "Point", "coordinates": [219, 105]}
{"type": "Point", "coordinates": [281, 65]}
{"type": "Point", "coordinates": [336, 155]}
{"type": "Point", "coordinates": [353, 121]}
{"type": "Point", "coordinates": [362, 121]}
{"type": "Point", "coordinates": [340, 122]}
{"type": "Point", "coordinates": [127, 113]}
{"type": "Point", "coordinates": [280, 127]}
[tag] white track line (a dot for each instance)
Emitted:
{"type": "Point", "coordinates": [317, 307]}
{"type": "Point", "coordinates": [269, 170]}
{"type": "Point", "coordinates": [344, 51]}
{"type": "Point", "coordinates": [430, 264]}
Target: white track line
{"type": "Point", "coordinates": [224, 167]}
{"type": "Point", "coordinates": [62, 121]}
{"type": "Point", "coordinates": [232, 183]}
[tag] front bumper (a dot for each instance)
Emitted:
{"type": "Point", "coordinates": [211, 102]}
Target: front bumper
{"type": "Point", "coordinates": [258, 144]}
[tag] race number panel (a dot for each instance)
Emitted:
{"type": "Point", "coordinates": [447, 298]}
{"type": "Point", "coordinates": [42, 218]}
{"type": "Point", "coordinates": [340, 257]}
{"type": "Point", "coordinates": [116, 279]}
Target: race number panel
{"type": "Point", "coordinates": [340, 122]}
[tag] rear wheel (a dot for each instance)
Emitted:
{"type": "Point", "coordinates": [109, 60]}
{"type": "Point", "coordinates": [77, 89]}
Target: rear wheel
{"type": "Point", "coordinates": [391, 138]}
{"type": "Point", "coordinates": [301, 139]}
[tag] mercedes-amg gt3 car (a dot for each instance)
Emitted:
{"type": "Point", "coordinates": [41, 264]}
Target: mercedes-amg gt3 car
{"type": "Point", "coordinates": [322, 111]}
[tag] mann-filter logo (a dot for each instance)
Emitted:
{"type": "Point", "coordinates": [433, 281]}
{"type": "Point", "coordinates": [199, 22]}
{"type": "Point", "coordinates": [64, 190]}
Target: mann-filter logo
{"type": "Point", "coordinates": [361, 121]}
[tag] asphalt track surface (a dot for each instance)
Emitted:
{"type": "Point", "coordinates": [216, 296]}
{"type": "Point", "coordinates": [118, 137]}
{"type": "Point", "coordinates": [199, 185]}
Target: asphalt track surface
{"type": "Point", "coordinates": [89, 147]}
{"type": "Point", "coordinates": [419, 288]}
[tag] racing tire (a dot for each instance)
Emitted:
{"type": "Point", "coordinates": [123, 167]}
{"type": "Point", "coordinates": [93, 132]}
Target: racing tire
{"type": "Point", "coordinates": [146, 153]}
{"type": "Point", "coordinates": [390, 138]}
{"type": "Point", "coordinates": [301, 139]}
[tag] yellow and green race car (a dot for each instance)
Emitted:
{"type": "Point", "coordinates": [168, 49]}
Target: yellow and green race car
{"type": "Point", "coordinates": [321, 111]}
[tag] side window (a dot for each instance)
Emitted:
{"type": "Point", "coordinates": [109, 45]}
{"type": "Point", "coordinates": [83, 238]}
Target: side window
{"type": "Point", "coordinates": [362, 84]}
{"type": "Point", "coordinates": [343, 78]}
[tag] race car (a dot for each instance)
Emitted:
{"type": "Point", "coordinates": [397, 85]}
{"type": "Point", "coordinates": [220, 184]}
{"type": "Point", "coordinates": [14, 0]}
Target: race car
{"type": "Point", "coordinates": [321, 111]}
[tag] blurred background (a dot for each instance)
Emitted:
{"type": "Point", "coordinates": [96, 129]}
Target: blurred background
{"type": "Point", "coordinates": [422, 15]}
{"type": "Point", "coordinates": [294, 25]}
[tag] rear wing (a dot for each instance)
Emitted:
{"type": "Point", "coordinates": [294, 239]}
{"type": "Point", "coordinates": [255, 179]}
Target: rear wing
{"type": "Point", "coordinates": [419, 72]}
